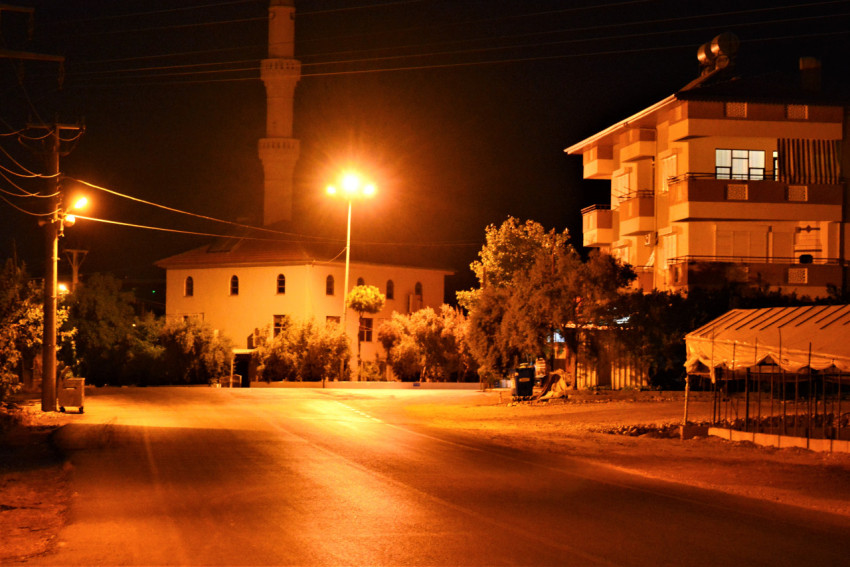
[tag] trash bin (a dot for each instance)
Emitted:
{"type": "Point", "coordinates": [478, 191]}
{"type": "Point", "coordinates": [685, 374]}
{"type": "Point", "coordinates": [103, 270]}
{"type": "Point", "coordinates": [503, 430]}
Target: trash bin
{"type": "Point", "coordinates": [524, 380]}
{"type": "Point", "coordinates": [72, 392]}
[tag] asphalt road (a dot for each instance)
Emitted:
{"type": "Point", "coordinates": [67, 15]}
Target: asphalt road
{"type": "Point", "coordinates": [200, 476]}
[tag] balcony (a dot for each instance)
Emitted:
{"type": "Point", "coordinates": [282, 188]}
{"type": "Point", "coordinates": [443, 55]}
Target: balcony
{"type": "Point", "coordinates": [597, 225]}
{"type": "Point", "coordinates": [598, 162]}
{"type": "Point", "coordinates": [637, 213]}
{"type": "Point", "coordinates": [775, 273]}
{"type": "Point", "coordinates": [637, 144]}
{"type": "Point", "coordinates": [701, 196]}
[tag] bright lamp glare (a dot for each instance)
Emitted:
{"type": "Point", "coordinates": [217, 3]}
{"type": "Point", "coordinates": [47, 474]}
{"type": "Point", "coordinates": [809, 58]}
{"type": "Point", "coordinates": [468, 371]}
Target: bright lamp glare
{"type": "Point", "coordinates": [331, 190]}
{"type": "Point", "coordinates": [369, 190]}
{"type": "Point", "coordinates": [350, 183]}
{"type": "Point", "coordinates": [80, 203]}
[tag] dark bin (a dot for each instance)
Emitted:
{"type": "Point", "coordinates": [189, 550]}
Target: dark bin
{"type": "Point", "coordinates": [524, 380]}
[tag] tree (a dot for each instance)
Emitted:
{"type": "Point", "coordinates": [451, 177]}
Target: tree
{"type": "Point", "coordinates": [509, 249]}
{"type": "Point", "coordinates": [22, 325]}
{"type": "Point", "coordinates": [540, 286]}
{"type": "Point", "coordinates": [364, 299]}
{"type": "Point", "coordinates": [304, 351]}
{"type": "Point", "coordinates": [194, 353]}
{"type": "Point", "coordinates": [103, 316]}
{"type": "Point", "coordinates": [428, 343]}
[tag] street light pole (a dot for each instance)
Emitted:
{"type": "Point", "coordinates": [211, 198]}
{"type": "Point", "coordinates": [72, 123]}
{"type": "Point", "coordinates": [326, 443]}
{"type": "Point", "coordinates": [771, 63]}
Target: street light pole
{"type": "Point", "coordinates": [347, 263]}
{"type": "Point", "coordinates": [351, 186]}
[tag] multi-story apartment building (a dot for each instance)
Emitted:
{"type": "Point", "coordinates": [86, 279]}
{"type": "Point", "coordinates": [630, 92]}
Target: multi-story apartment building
{"type": "Point", "coordinates": [728, 179]}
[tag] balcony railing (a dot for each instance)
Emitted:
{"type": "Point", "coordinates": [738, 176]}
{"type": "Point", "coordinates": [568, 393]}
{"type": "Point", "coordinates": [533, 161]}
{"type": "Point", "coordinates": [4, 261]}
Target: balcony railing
{"type": "Point", "coordinates": [704, 195]}
{"type": "Point", "coordinates": [756, 260]}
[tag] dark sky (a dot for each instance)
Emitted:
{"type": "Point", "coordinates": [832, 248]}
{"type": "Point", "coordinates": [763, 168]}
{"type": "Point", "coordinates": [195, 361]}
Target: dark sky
{"type": "Point", "coordinates": [461, 109]}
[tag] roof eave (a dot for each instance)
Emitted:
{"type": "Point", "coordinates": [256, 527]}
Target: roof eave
{"type": "Point", "coordinates": [593, 140]}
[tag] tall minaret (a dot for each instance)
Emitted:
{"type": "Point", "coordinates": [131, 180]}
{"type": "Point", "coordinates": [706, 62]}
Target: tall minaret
{"type": "Point", "coordinates": [279, 150]}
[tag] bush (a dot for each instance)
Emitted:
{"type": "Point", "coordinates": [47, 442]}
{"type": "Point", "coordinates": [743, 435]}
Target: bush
{"type": "Point", "coordinates": [304, 351]}
{"type": "Point", "coordinates": [193, 352]}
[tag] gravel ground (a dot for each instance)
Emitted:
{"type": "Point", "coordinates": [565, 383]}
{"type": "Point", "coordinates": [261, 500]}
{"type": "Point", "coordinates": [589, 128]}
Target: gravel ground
{"type": "Point", "coordinates": [35, 488]}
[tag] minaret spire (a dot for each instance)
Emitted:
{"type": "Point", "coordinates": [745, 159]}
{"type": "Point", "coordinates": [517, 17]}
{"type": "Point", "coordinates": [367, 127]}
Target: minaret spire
{"type": "Point", "coordinates": [279, 150]}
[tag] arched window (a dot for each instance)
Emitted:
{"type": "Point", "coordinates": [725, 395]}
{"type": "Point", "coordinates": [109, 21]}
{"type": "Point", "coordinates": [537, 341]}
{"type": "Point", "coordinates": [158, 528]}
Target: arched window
{"type": "Point", "coordinates": [390, 289]}
{"type": "Point", "coordinates": [234, 285]}
{"type": "Point", "coordinates": [361, 281]}
{"type": "Point", "coordinates": [281, 284]}
{"type": "Point", "coordinates": [189, 287]}
{"type": "Point", "coordinates": [329, 285]}
{"type": "Point", "coordinates": [417, 289]}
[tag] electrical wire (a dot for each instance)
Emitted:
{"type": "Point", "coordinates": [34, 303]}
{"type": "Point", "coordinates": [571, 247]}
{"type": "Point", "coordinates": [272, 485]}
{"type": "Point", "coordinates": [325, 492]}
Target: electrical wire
{"type": "Point", "coordinates": [29, 174]}
{"type": "Point", "coordinates": [13, 205]}
{"type": "Point", "coordinates": [177, 231]}
{"type": "Point", "coordinates": [179, 211]}
{"type": "Point", "coordinates": [297, 236]}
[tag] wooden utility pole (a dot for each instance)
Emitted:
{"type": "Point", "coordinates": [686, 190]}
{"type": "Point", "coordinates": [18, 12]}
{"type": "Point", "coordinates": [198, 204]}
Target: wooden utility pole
{"type": "Point", "coordinates": [54, 227]}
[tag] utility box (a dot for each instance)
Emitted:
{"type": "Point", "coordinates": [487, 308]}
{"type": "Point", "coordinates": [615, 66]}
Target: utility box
{"type": "Point", "coordinates": [72, 393]}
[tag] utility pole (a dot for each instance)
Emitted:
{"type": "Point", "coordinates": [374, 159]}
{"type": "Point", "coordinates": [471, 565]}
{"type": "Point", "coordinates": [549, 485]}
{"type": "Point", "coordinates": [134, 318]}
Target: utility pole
{"type": "Point", "coordinates": [75, 257]}
{"type": "Point", "coordinates": [54, 228]}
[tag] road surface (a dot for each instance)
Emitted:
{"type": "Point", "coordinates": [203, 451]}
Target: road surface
{"type": "Point", "coordinates": [202, 476]}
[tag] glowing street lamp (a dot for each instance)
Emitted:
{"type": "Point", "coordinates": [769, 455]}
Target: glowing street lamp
{"type": "Point", "coordinates": [351, 186]}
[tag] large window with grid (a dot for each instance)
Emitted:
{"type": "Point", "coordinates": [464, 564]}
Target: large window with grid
{"type": "Point", "coordinates": [739, 164]}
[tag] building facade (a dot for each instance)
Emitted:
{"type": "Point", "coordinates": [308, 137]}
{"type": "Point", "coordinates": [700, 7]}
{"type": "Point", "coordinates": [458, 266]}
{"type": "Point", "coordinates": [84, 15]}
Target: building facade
{"type": "Point", "coordinates": [258, 286]}
{"type": "Point", "coordinates": [726, 180]}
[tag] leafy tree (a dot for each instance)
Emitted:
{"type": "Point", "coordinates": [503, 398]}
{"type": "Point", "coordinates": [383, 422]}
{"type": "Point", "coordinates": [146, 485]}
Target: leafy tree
{"type": "Point", "coordinates": [364, 299]}
{"type": "Point", "coordinates": [304, 351]}
{"type": "Point", "coordinates": [541, 288]}
{"type": "Point", "coordinates": [22, 324]}
{"type": "Point", "coordinates": [103, 316]}
{"type": "Point", "coordinates": [509, 249]}
{"type": "Point", "coordinates": [194, 353]}
{"type": "Point", "coordinates": [428, 343]}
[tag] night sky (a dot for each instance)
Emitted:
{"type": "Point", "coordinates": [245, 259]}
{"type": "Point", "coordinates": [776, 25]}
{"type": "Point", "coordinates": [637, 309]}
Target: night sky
{"type": "Point", "coordinates": [459, 109]}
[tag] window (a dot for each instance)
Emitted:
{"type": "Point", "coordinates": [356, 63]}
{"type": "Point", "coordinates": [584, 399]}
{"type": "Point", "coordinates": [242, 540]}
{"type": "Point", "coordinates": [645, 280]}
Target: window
{"type": "Point", "coordinates": [234, 285]}
{"type": "Point", "coordinates": [360, 281]}
{"type": "Point", "coordinates": [669, 169]}
{"type": "Point", "coordinates": [329, 285]}
{"type": "Point", "coordinates": [364, 335]}
{"type": "Point", "coordinates": [417, 290]}
{"type": "Point", "coordinates": [739, 164]}
{"type": "Point", "coordinates": [620, 187]}
{"type": "Point", "coordinates": [281, 284]}
{"type": "Point", "coordinates": [281, 322]}
{"type": "Point", "coordinates": [332, 320]}
{"type": "Point", "coordinates": [736, 109]}
{"type": "Point", "coordinates": [390, 289]}
{"type": "Point", "coordinates": [189, 287]}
